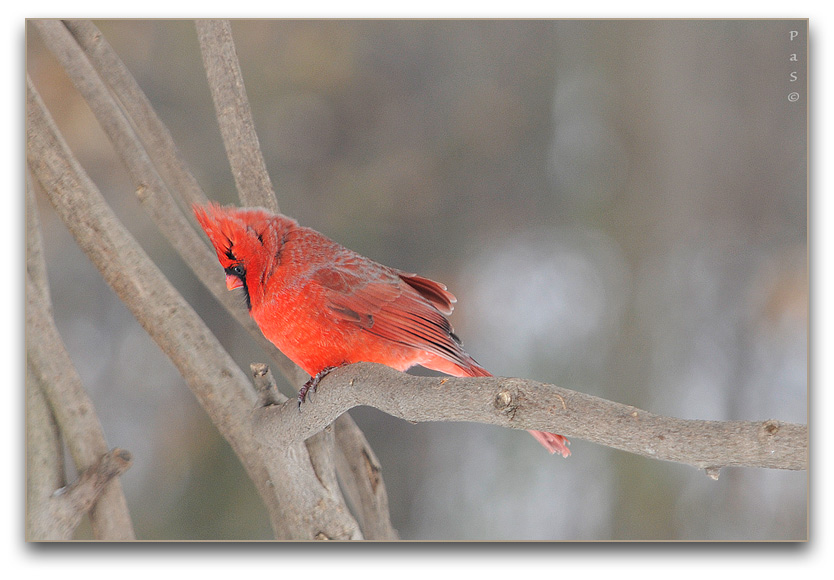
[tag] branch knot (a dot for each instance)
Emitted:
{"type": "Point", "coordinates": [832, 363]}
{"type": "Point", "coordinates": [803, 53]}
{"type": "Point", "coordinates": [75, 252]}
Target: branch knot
{"type": "Point", "coordinates": [506, 401]}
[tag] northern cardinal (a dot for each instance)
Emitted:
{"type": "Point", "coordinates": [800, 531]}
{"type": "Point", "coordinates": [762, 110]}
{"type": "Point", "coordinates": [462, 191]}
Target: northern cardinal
{"type": "Point", "coordinates": [324, 305]}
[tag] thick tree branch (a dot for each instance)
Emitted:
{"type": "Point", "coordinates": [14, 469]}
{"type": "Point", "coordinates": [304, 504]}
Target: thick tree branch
{"type": "Point", "coordinates": [358, 468]}
{"type": "Point", "coordinates": [525, 404]}
{"type": "Point", "coordinates": [285, 459]}
{"type": "Point", "coordinates": [53, 383]}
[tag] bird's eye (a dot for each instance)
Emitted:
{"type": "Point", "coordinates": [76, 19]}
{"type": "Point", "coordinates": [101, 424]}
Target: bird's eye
{"type": "Point", "coordinates": [236, 270]}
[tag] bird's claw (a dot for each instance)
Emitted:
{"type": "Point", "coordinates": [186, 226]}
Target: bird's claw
{"type": "Point", "coordinates": [310, 385]}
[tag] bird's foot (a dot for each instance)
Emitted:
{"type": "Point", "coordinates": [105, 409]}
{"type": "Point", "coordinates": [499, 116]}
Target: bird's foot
{"type": "Point", "coordinates": [310, 386]}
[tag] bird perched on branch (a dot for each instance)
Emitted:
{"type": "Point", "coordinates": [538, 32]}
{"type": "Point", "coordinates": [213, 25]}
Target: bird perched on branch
{"type": "Point", "coordinates": [325, 306]}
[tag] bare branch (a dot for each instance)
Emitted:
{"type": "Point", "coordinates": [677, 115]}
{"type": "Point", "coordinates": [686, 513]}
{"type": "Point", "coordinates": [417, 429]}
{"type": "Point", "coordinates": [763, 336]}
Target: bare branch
{"type": "Point", "coordinates": [155, 196]}
{"type": "Point", "coordinates": [159, 143]}
{"type": "Point", "coordinates": [217, 382]}
{"type": "Point", "coordinates": [299, 506]}
{"type": "Point", "coordinates": [52, 382]}
{"type": "Point", "coordinates": [234, 114]}
{"type": "Point", "coordinates": [35, 263]}
{"type": "Point", "coordinates": [319, 446]}
{"type": "Point", "coordinates": [152, 191]}
{"type": "Point", "coordinates": [525, 404]}
{"type": "Point", "coordinates": [44, 462]}
{"type": "Point", "coordinates": [268, 393]}
{"type": "Point", "coordinates": [54, 373]}
{"type": "Point", "coordinates": [64, 509]}
{"type": "Point", "coordinates": [361, 475]}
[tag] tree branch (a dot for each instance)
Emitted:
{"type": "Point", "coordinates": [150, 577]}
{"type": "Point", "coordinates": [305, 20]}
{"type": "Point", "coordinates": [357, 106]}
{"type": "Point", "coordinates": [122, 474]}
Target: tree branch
{"type": "Point", "coordinates": [53, 372]}
{"type": "Point", "coordinates": [62, 511]}
{"type": "Point", "coordinates": [234, 114]}
{"type": "Point", "coordinates": [361, 476]}
{"type": "Point", "coordinates": [96, 85]}
{"type": "Point", "coordinates": [44, 462]}
{"type": "Point", "coordinates": [35, 262]}
{"type": "Point", "coordinates": [152, 190]}
{"type": "Point", "coordinates": [299, 507]}
{"type": "Point", "coordinates": [254, 188]}
{"type": "Point", "coordinates": [53, 383]}
{"type": "Point", "coordinates": [526, 404]}
{"type": "Point", "coordinates": [159, 144]}
{"type": "Point", "coordinates": [214, 378]}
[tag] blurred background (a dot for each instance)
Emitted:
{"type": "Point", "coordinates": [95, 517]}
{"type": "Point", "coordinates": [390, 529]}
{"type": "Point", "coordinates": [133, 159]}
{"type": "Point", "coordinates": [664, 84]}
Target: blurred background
{"type": "Point", "coordinates": [619, 206]}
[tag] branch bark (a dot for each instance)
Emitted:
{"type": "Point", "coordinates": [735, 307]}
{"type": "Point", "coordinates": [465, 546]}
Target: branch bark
{"type": "Point", "coordinates": [234, 114]}
{"type": "Point", "coordinates": [299, 506]}
{"type": "Point", "coordinates": [150, 187]}
{"type": "Point", "coordinates": [52, 382]}
{"type": "Point", "coordinates": [100, 75]}
{"type": "Point", "coordinates": [525, 404]}
{"type": "Point", "coordinates": [59, 515]}
{"type": "Point", "coordinates": [211, 374]}
{"type": "Point", "coordinates": [52, 372]}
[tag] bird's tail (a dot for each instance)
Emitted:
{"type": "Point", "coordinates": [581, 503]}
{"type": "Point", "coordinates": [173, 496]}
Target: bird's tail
{"type": "Point", "coordinates": [469, 368]}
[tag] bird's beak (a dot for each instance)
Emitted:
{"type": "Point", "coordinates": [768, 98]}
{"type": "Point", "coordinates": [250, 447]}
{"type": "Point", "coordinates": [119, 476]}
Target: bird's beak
{"type": "Point", "coordinates": [233, 282]}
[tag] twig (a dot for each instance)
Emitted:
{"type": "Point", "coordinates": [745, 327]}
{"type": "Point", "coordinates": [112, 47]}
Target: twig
{"type": "Point", "coordinates": [268, 393]}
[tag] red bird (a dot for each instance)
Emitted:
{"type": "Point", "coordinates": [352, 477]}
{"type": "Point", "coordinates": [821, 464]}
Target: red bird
{"type": "Point", "coordinates": [324, 305]}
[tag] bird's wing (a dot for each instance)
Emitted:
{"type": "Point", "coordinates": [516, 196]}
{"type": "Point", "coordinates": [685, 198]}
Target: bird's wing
{"type": "Point", "coordinates": [401, 307]}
